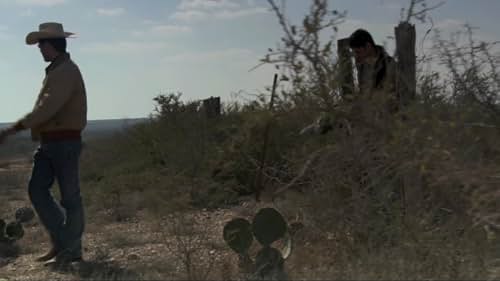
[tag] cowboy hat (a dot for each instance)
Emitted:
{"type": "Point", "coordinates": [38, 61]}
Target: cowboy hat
{"type": "Point", "coordinates": [47, 30]}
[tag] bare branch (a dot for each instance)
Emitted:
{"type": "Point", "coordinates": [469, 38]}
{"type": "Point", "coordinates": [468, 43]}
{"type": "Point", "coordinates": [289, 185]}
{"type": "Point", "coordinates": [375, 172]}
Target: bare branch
{"type": "Point", "coordinates": [421, 14]}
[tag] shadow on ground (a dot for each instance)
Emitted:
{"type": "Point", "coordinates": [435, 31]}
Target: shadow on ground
{"type": "Point", "coordinates": [8, 253]}
{"type": "Point", "coordinates": [96, 270]}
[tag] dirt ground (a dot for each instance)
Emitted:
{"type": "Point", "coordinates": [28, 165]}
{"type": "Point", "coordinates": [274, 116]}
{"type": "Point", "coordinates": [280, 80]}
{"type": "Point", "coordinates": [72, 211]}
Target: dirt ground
{"type": "Point", "coordinates": [178, 246]}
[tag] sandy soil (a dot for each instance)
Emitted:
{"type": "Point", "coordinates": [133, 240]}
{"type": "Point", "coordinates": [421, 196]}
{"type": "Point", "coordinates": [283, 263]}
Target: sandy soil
{"type": "Point", "coordinates": [178, 246]}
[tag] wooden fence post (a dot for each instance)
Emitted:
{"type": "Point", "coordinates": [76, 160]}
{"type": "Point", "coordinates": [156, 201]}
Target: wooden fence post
{"type": "Point", "coordinates": [406, 74]}
{"type": "Point", "coordinates": [345, 74]}
{"type": "Point", "coordinates": [259, 177]}
{"type": "Point", "coordinates": [406, 87]}
{"type": "Point", "coordinates": [212, 107]}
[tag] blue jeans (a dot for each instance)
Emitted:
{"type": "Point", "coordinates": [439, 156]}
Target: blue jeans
{"type": "Point", "coordinates": [59, 160]}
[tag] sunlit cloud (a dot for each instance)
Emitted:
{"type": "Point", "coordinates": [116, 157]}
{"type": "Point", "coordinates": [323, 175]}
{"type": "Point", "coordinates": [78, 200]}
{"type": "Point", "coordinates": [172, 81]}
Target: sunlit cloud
{"type": "Point", "coordinates": [111, 11]}
{"type": "Point", "coordinates": [41, 2]}
{"type": "Point", "coordinates": [148, 21]}
{"type": "Point", "coordinates": [200, 10]}
{"type": "Point", "coordinates": [122, 47]}
{"type": "Point", "coordinates": [169, 29]}
{"type": "Point", "coordinates": [228, 14]}
{"type": "Point", "coordinates": [449, 25]}
{"type": "Point", "coordinates": [161, 30]}
{"type": "Point", "coordinates": [190, 16]}
{"type": "Point", "coordinates": [231, 54]}
{"type": "Point", "coordinates": [207, 4]}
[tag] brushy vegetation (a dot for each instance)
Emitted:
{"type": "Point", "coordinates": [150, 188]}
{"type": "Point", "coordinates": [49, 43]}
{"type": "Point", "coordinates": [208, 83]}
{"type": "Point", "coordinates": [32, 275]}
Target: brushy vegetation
{"type": "Point", "coordinates": [382, 195]}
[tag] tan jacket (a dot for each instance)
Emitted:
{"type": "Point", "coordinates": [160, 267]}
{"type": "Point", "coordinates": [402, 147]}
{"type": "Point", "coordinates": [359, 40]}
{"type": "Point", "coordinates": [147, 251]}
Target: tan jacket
{"type": "Point", "coordinates": [62, 102]}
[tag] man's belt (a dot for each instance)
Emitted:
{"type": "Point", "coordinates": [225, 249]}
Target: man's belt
{"type": "Point", "coordinates": [61, 135]}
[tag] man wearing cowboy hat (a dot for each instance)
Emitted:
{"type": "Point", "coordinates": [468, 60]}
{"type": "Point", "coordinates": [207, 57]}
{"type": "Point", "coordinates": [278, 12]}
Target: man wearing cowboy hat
{"type": "Point", "coordinates": [57, 120]}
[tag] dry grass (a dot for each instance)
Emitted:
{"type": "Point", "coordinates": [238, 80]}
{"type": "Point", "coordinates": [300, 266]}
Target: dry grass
{"type": "Point", "coordinates": [352, 198]}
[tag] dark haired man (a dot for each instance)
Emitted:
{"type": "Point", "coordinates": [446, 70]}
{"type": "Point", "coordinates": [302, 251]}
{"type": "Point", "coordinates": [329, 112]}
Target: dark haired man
{"type": "Point", "coordinates": [376, 69]}
{"type": "Point", "coordinates": [57, 120]}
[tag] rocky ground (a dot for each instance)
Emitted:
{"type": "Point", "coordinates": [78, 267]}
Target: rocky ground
{"type": "Point", "coordinates": [178, 246]}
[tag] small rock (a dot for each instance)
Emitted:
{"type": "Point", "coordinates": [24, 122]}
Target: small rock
{"type": "Point", "coordinates": [133, 257]}
{"type": "Point", "coordinates": [212, 252]}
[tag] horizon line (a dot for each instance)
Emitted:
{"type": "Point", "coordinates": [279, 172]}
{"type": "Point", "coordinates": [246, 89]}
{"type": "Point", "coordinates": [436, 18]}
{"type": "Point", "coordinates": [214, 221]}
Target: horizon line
{"type": "Point", "coordinates": [90, 120]}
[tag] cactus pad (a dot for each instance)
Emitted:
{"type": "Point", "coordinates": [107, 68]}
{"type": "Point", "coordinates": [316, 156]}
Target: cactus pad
{"type": "Point", "coordinates": [24, 214]}
{"type": "Point", "coordinates": [14, 230]}
{"type": "Point", "coordinates": [268, 226]}
{"type": "Point", "coordinates": [268, 259]}
{"type": "Point", "coordinates": [2, 231]}
{"type": "Point", "coordinates": [238, 235]}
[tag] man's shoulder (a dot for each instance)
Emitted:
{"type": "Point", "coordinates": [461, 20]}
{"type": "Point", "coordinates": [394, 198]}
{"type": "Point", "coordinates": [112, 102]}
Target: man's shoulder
{"type": "Point", "coordinates": [68, 67]}
{"type": "Point", "coordinates": [387, 59]}
{"type": "Point", "coordinates": [71, 64]}
{"type": "Point", "coordinates": [384, 54]}
{"type": "Point", "coordinates": [63, 73]}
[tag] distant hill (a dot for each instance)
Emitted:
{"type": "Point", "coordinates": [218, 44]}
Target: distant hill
{"type": "Point", "coordinates": [21, 145]}
{"type": "Point", "coordinates": [110, 126]}
{"type": "Point", "coordinates": [97, 128]}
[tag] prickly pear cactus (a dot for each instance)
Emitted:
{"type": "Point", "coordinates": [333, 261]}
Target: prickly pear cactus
{"type": "Point", "coordinates": [269, 265]}
{"type": "Point", "coordinates": [3, 237]}
{"type": "Point", "coordinates": [24, 215]}
{"type": "Point", "coordinates": [268, 226]}
{"type": "Point", "coordinates": [238, 235]}
{"type": "Point", "coordinates": [12, 231]}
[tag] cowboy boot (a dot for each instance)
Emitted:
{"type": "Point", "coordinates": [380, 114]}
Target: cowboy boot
{"type": "Point", "coordinates": [52, 253]}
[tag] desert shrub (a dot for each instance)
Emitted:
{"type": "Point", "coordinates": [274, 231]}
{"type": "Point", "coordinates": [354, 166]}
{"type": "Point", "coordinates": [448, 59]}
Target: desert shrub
{"type": "Point", "coordinates": [417, 185]}
{"type": "Point", "coordinates": [398, 178]}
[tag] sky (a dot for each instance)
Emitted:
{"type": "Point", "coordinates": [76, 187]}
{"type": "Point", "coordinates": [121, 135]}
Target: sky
{"type": "Point", "coordinates": [130, 51]}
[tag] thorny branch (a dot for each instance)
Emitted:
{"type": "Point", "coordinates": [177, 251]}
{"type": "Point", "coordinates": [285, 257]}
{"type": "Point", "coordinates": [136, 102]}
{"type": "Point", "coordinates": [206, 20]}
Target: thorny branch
{"type": "Point", "coordinates": [420, 15]}
{"type": "Point", "coordinates": [303, 54]}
